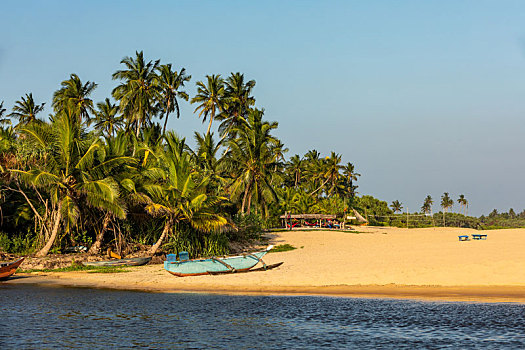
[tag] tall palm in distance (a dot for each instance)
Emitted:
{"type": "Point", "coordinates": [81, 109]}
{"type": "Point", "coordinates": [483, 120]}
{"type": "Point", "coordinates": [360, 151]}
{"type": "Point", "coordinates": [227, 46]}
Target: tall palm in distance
{"type": "Point", "coordinates": [138, 92]}
{"type": "Point", "coordinates": [396, 206]}
{"type": "Point", "coordinates": [446, 203]}
{"type": "Point", "coordinates": [427, 205]}
{"type": "Point", "coordinates": [350, 176]}
{"type": "Point", "coordinates": [295, 168]}
{"type": "Point", "coordinates": [3, 121]}
{"type": "Point", "coordinates": [26, 110]}
{"type": "Point", "coordinates": [107, 119]}
{"type": "Point", "coordinates": [73, 98]}
{"type": "Point", "coordinates": [463, 203]}
{"type": "Point", "coordinates": [239, 99]}
{"type": "Point", "coordinates": [210, 98]}
{"type": "Point", "coordinates": [329, 173]}
{"type": "Point", "coordinates": [170, 83]}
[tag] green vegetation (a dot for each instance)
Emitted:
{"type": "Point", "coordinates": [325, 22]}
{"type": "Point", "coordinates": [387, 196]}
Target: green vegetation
{"type": "Point", "coordinates": [110, 174]}
{"type": "Point", "coordinates": [282, 248]}
{"type": "Point", "coordinates": [80, 267]}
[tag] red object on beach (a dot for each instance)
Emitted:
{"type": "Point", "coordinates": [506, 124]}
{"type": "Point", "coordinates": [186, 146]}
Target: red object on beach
{"type": "Point", "coordinates": [8, 269]}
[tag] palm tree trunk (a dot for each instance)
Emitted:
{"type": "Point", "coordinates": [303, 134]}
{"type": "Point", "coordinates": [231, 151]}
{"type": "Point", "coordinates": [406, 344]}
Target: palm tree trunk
{"type": "Point", "coordinates": [165, 231]}
{"type": "Point", "coordinates": [54, 232]}
{"type": "Point", "coordinates": [166, 120]}
{"type": "Point", "coordinates": [245, 197]}
{"type": "Point", "coordinates": [95, 247]}
{"type": "Point", "coordinates": [211, 120]}
{"type": "Point", "coordinates": [324, 183]}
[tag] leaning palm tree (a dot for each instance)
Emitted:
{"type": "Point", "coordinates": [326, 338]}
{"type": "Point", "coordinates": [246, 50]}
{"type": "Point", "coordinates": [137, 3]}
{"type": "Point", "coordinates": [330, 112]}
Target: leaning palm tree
{"type": "Point", "coordinates": [210, 98]}
{"type": "Point", "coordinates": [73, 98]}
{"type": "Point", "coordinates": [181, 197]}
{"type": "Point", "coordinates": [330, 173]}
{"type": "Point", "coordinates": [25, 110]}
{"type": "Point", "coordinates": [138, 92]}
{"type": "Point", "coordinates": [170, 84]}
{"type": "Point", "coordinates": [107, 120]}
{"type": "Point", "coordinates": [71, 174]}
{"type": "Point", "coordinates": [446, 203]}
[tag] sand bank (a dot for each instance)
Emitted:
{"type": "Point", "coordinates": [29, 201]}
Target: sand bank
{"type": "Point", "coordinates": [378, 262]}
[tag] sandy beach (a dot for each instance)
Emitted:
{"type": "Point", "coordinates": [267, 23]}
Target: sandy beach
{"type": "Point", "coordinates": [377, 262]}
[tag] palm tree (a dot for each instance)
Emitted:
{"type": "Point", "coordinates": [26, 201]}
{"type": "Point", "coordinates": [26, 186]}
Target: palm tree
{"type": "Point", "coordinates": [71, 174]}
{"type": "Point", "coordinates": [463, 203]}
{"type": "Point", "coordinates": [396, 206]}
{"type": "Point", "coordinates": [446, 202]}
{"type": "Point", "coordinates": [210, 97]}
{"type": "Point", "coordinates": [330, 172]}
{"type": "Point", "coordinates": [181, 196]}
{"type": "Point", "coordinates": [3, 120]}
{"type": "Point", "coordinates": [313, 169]}
{"type": "Point", "coordinates": [25, 110]}
{"type": "Point", "coordinates": [239, 100]}
{"type": "Point", "coordinates": [350, 175]}
{"type": "Point", "coordinates": [295, 168]}
{"type": "Point", "coordinates": [427, 205]}
{"type": "Point", "coordinates": [205, 157]}
{"type": "Point", "coordinates": [73, 98]}
{"type": "Point", "coordinates": [138, 91]}
{"type": "Point", "coordinates": [107, 120]}
{"type": "Point", "coordinates": [170, 82]}
{"type": "Point", "coordinates": [253, 161]}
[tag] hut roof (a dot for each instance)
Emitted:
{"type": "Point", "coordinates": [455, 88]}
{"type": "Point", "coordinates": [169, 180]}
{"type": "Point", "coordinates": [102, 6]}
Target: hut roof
{"type": "Point", "coordinates": [309, 216]}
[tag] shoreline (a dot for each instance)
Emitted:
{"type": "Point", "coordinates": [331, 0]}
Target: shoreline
{"type": "Point", "coordinates": [376, 262]}
{"type": "Point", "coordinates": [436, 293]}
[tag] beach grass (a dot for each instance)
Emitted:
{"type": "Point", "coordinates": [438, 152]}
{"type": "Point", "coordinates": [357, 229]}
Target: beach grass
{"type": "Point", "coordinates": [78, 267]}
{"type": "Point", "coordinates": [282, 248]}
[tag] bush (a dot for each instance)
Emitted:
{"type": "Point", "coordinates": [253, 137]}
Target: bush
{"type": "Point", "coordinates": [249, 226]}
{"type": "Point", "coordinates": [17, 245]}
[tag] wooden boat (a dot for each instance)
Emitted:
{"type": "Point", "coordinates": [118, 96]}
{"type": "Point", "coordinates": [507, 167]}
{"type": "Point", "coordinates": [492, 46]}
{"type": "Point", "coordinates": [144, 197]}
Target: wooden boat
{"type": "Point", "coordinates": [214, 265]}
{"type": "Point", "coordinates": [119, 262]}
{"type": "Point", "coordinates": [7, 269]}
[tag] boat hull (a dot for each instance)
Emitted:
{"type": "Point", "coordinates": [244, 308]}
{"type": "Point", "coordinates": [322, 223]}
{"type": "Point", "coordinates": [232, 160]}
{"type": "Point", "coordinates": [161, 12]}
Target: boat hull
{"type": "Point", "coordinates": [212, 266]}
{"type": "Point", "coordinates": [119, 262]}
{"type": "Point", "coordinates": [8, 269]}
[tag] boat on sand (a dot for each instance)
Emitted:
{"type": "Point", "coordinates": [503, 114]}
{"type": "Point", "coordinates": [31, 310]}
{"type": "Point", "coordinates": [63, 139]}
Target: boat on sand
{"type": "Point", "coordinates": [212, 266]}
{"type": "Point", "coordinates": [7, 269]}
{"type": "Point", "coordinates": [119, 262]}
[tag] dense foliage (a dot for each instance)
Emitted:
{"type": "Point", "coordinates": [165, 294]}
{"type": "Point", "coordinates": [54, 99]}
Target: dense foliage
{"type": "Point", "coordinates": [108, 173]}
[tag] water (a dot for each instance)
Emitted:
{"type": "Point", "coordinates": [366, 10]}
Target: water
{"type": "Point", "coordinates": [46, 317]}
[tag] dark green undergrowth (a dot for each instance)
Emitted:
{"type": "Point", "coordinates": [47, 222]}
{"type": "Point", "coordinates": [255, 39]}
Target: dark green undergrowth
{"type": "Point", "coordinates": [79, 267]}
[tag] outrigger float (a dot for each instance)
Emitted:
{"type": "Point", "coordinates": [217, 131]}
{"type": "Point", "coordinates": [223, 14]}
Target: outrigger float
{"type": "Point", "coordinates": [215, 266]}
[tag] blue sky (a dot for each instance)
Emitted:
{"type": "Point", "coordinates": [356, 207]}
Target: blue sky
{"type": "Point", "coordinates": [422, 96]}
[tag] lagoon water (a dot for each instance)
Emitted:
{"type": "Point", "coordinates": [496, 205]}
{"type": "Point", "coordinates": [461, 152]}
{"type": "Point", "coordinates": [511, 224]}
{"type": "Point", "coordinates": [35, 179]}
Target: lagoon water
{"type": "Point", "coordinates": [51, 317]}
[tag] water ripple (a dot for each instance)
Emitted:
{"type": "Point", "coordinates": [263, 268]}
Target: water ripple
{"type": "Point", "coordinates": [37, 317]}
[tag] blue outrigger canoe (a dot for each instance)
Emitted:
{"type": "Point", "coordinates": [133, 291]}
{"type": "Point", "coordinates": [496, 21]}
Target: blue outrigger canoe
{"type": "Point", "coordinates": [212, 266]}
